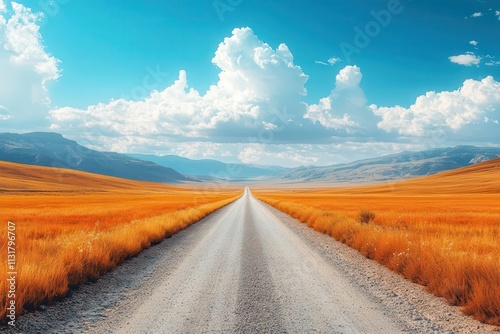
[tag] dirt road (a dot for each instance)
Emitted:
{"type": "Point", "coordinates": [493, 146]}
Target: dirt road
{"type": "Point", "coordinates": [250, 273]}
{"type": "Point", "coordinates": [250, 269]}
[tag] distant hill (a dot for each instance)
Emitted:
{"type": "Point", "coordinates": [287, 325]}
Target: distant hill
{"type": "Point", "coordinates": [212, 168]}
{"type": "Point", "coordinates": [481, 178]}
{"type": "Point", "coordinates": [53, 150]}
{"type": "Point", "coordinates": [393, 167]}
{"type": "Point", "coordinates": [16, 177]}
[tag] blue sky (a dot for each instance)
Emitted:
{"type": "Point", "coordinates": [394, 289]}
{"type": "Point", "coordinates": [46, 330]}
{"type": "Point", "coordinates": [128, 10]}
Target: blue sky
{"type": "Point", "coordinates": [103, 73]}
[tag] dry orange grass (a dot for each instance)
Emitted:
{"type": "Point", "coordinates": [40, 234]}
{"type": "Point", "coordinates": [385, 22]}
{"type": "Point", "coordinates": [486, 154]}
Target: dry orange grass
{"type": "Point", "coordinates": [27, 178]}
{"type": "Point", "coordinates": [441, 231]}
{"type": "Point", "coordinates": [71, 227]}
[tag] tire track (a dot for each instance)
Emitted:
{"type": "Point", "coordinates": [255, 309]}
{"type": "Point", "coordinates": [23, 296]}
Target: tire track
{"type": "Point", "coordinates": [258, 308]}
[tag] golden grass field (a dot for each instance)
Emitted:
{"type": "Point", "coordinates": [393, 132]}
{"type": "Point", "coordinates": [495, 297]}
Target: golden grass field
{"type": "Point", "coordinates": [72, 227]}
{"type": "Point", "coordinates": [441, 231]}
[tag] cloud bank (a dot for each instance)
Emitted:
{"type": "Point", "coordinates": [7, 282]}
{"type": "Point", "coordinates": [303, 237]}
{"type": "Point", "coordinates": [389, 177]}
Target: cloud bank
{"type": "Point", "coordinates": [254, 113]}
{"type": "Point", "coordinates": [467, 59]}
{"type": "Point", "coordinates": [259, 88]}
{"type": "Point", "coordinates": [26, 66]}
{"type": "Point", "coordinates": [465, 112]}
{"type": "Point", "coordinates": [345, 109]}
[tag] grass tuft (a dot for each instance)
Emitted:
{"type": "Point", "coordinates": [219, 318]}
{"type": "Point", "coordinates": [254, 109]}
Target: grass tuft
{"type": "Point", "coordinates": [366, 217]}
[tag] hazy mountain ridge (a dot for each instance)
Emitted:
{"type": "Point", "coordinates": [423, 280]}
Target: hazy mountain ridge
{"type": "Point", "coordinates": [213, 168]}
{"type": "Point", "coordinates": [396, 166]}
{"type": "Point", "coordinates": [53, 150]}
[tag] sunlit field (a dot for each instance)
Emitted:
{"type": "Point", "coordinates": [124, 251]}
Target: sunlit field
{"type": "Point", "coordinates": [441, 231]}
{"type": "Point", "coordinates": [72, 227]}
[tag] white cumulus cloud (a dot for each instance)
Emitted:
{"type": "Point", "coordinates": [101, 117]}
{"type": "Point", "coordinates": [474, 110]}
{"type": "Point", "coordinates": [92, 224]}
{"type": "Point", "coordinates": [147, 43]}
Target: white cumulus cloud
{"type": "Point", "coordinates": [449, 110]}
{"type": "Point", "coordinates": [478, 14]}
{"type": "Point", "coordinates": [467, 59]}
{"type": "Point", "coordinates": [475, 43]}
{"type": "Point", "coordinates": [259, 88]}
{"type": "Point", "coordinates": [330, 62]}
{"type": "Point", "coordinates": [26, 65]}
{"type": "Point", "coordinates": [349, 76]}
{"type": "Point", "coordinates": [345, 109]}
{"type": "Point", "coordinates": [334, 60]}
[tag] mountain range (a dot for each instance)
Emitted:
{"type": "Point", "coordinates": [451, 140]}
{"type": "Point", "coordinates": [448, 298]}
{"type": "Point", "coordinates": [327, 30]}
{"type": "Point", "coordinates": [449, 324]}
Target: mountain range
{"type": "Point", "coordinates": [393, 167]}
{"type": "Point", "coordinates": [53, 150]}
{"type": "Point", "coordinates": [208, 168]}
